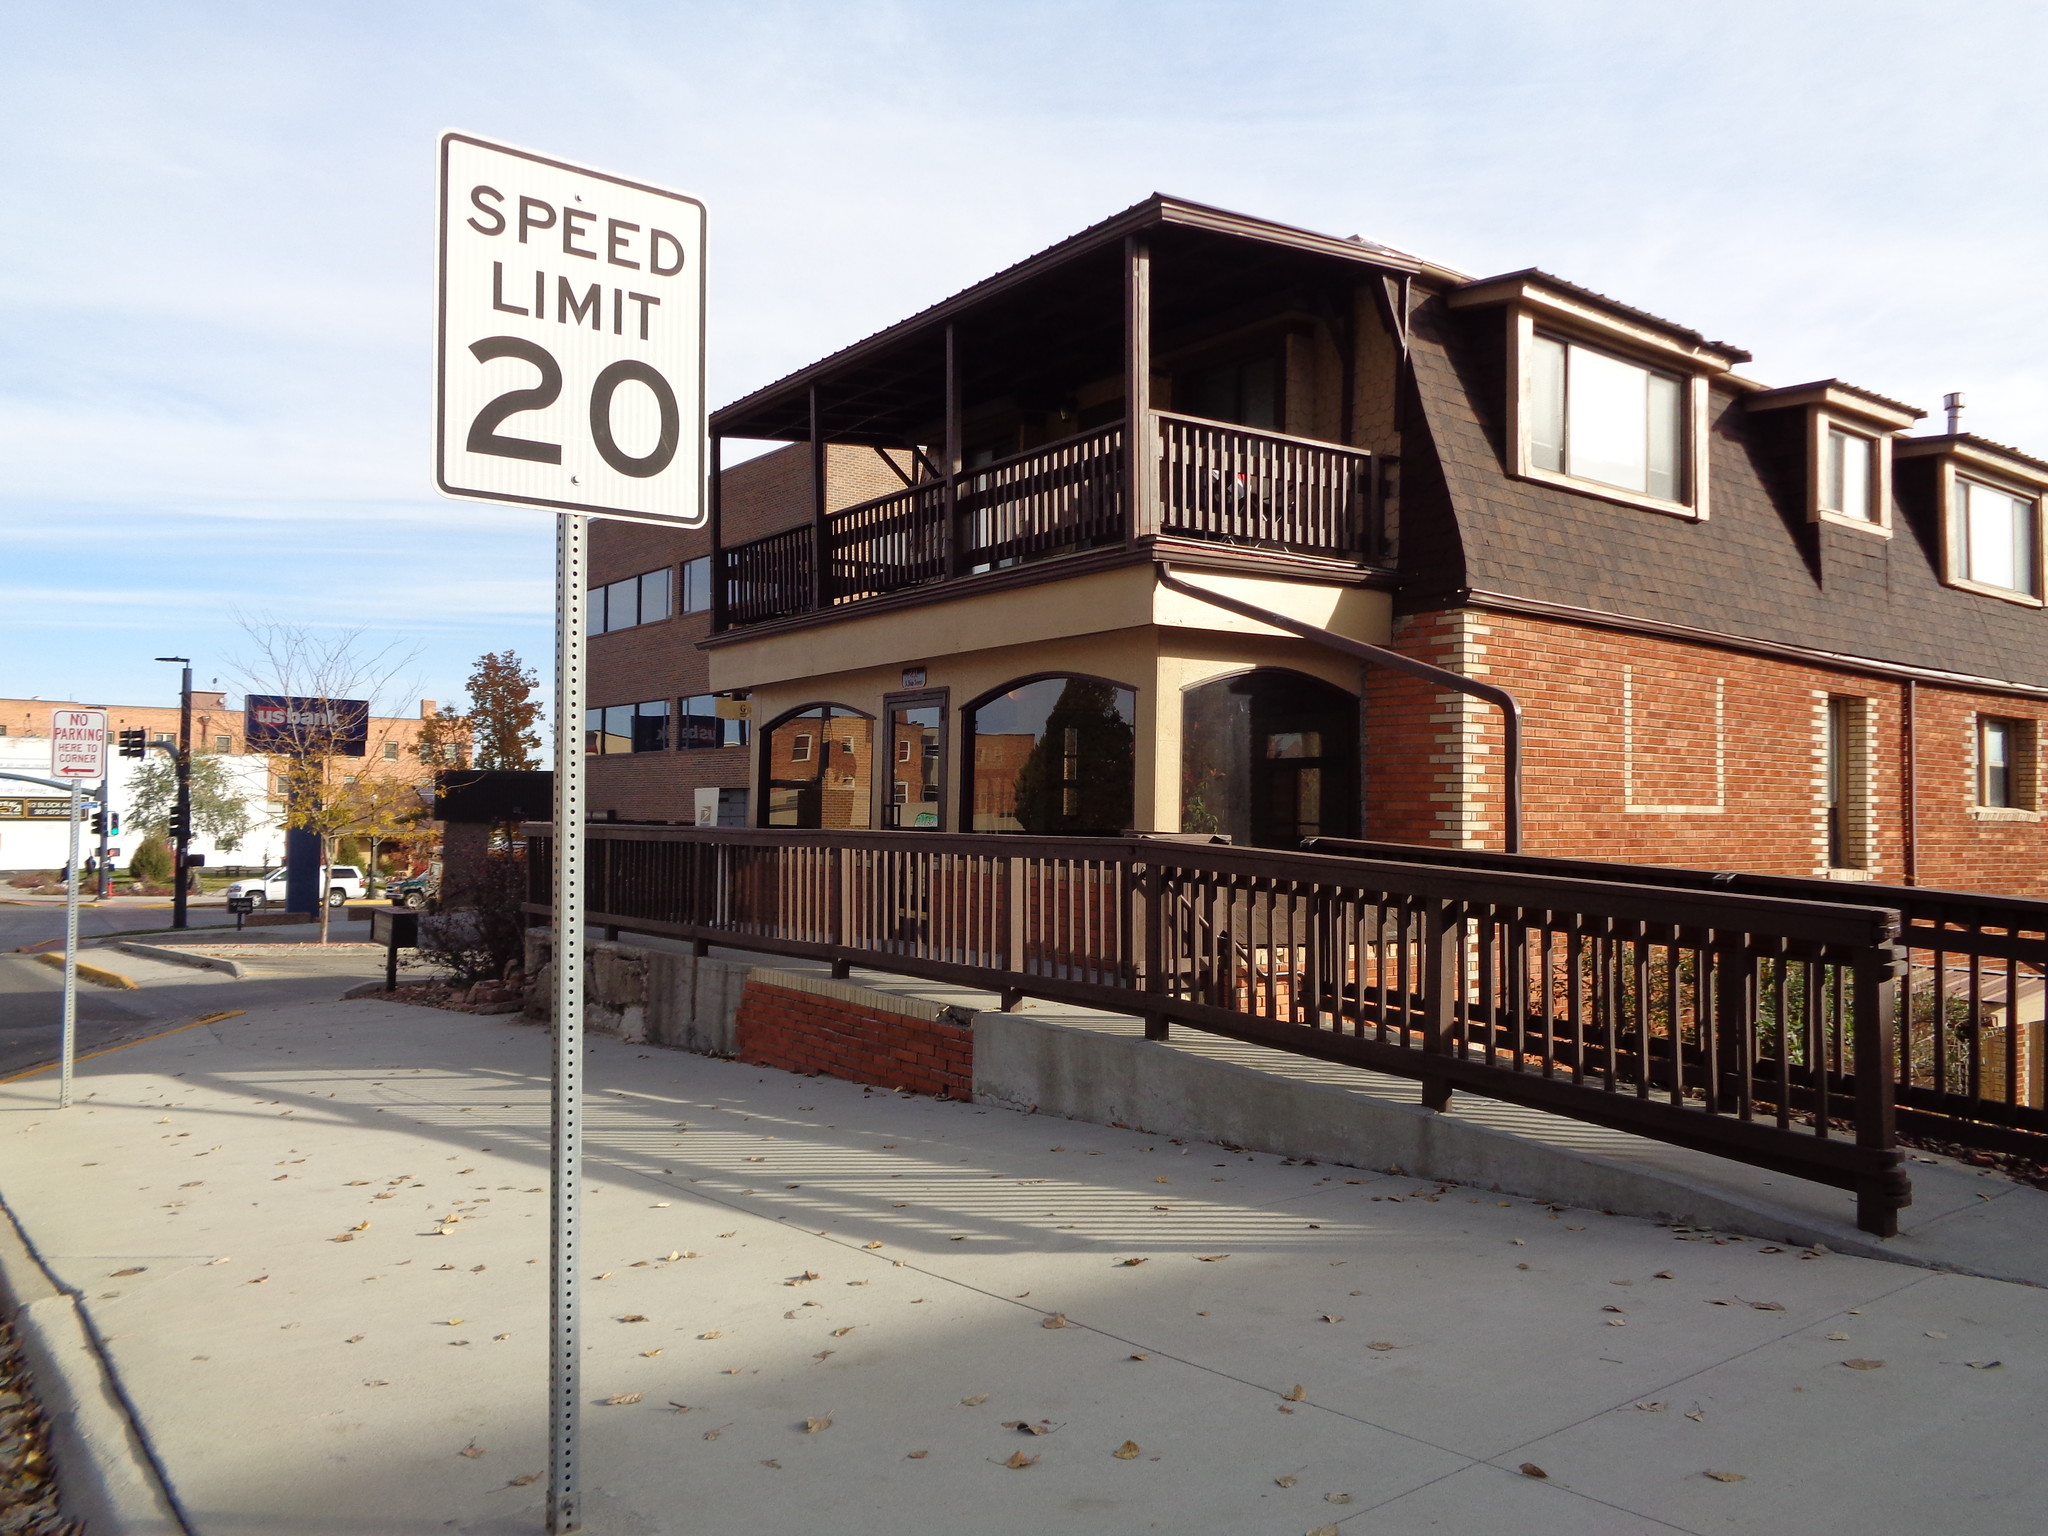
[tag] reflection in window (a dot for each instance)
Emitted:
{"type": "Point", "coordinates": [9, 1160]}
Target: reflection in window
{"type": "Point", "coordinates": [1270, 757]}
{"type": "Point", "coordinates": [621, 728]}
{"type": "Point", "coordinates": [916, 734]}
{"type": "Point", "coordinates": [1848, 479]}
{"type": "Point", "coordinates": [1054, 756]}
{"type": "Point", "coordinates": [625, 604]}
{"type": "Point", "coordinates": [820, 766]}
{"type": "Point", "coordinates": [698, 724]}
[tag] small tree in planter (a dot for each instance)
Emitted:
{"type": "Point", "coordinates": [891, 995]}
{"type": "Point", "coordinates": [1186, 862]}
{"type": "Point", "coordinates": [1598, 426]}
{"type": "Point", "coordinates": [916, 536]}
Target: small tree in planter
{"type": "Point", "coordinates": [151, 862]}
{"type": "Point", "coordinates": [485, 941]}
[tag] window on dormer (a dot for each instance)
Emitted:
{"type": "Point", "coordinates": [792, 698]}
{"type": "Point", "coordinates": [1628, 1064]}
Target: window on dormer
{"type": "Point", "coordinates": [1597, 417]}
{"type": "Point", "coordinates": [1994, 536]}
{"type": "Point", "coordinates": [1848, 485]}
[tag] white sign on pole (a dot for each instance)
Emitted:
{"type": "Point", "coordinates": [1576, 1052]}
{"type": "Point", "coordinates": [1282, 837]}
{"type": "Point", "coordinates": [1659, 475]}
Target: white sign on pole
{"type": "Point", "coordinates": [78, 744]}
{"type": "Point", "coordinates": [570, 363]}
{"type": "Point", "coordinates": [569, 373]}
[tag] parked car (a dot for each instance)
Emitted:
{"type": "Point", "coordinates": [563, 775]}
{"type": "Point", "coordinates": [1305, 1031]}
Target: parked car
{"type": "Point", "coordinates": [414, 891]}
{"type": "Point", "coordinates": [344, 882]}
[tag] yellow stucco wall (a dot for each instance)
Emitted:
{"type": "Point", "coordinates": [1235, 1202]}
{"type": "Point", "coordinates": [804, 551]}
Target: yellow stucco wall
{"type": "Point", "coordinates": [1117, 624]}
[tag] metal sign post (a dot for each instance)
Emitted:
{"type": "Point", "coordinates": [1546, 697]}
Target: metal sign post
{"type": "Point", "coordinates": [78, 753]}
{"type": "Point", "coordinates": [569, 373]}
{"type": "Point", "coordinates": [70, 1042]}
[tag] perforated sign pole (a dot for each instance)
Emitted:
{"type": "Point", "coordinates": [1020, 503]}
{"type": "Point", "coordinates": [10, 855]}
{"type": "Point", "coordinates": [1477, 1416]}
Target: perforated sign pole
{"type": "Point", "coordinates": [78, 753]}
{"type": "Point", "coordinates": [569, 374]}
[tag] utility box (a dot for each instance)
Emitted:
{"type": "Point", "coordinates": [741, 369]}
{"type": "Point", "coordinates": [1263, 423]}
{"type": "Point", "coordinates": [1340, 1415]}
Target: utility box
{"type": "Point", "coordinates": [394, 927]}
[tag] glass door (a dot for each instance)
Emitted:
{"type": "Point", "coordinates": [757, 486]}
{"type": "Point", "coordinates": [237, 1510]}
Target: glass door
{"type": "Point", "coordinates": [915, 756]}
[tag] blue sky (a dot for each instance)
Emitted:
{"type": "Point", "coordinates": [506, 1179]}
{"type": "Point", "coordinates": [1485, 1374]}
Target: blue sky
{"type": "Point", "coordinates": [216, 251]}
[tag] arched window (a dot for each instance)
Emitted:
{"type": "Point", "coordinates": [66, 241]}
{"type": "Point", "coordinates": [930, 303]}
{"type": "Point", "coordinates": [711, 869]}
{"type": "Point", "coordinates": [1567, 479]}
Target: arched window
{"type": "Point", "coordinates": [1271, 757]}
{"type": "Point", "coordinates": [1052, 755]}
{"type": "Point", "coordinates": [818, 768]}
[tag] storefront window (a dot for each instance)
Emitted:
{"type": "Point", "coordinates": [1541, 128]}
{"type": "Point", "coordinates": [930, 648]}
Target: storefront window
{"type": "Point", "coordinates": [820, 769]}
{"type": "Point", "coordinates": [1056, 755]}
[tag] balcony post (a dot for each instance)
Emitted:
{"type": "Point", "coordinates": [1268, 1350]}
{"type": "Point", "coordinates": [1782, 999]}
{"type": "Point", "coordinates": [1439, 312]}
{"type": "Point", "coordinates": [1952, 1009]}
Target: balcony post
{"type": "Point", "coordinates": [956, 562]}
{"type": "Point", "coordinates": [1141, 457]}
{"type": "Point", "coordinates": [714, 504]}
{"type": "Point", "coordinates": [818, 550]}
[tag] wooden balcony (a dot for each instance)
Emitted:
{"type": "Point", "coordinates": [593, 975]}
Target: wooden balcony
{"type": "Point", "coordinates": [1214, 482]}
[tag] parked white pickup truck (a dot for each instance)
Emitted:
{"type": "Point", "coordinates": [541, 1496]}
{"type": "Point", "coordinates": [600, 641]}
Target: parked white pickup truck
{"type": "Point", "coordinates": [344, 882]}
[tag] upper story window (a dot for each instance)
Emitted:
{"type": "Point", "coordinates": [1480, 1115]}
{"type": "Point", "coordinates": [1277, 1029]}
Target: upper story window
{"type": "Point", "coordinates": [623, 728]}
{"type": "Point", "coordinates": [1848, 435]}
{"type": "Point", "coordinates": [1848, 482]}
{"type": "Point", "coordinates": [1994, 536]}
{"type": "Point", "coordinates": [636, 600]}
{"type": "Point", "coordinates": [1595, 416]}
{"type": "Point", "coordinates": [1603, 399]}
{"type": "Point", "coordinates": [2006, 766]}
{"type": "Point", "coordinates": [698, 724]}
{"type": "Point", "coordinates": [1246, 392]}
{"type": "Point", "coordinates": [696, 585]}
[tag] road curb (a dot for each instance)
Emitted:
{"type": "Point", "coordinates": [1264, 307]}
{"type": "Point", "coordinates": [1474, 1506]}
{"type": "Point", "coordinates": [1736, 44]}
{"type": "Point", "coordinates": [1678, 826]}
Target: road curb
{"type": "Point", "coordinates": [98, 974]}
{"type": "Point", "coordinates": [182, 957]}
{"type": "Point", "coordinates": [106, 1475]}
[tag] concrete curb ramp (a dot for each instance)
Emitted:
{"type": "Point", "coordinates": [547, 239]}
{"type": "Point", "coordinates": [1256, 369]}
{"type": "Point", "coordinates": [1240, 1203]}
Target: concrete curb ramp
{"type": "Point", "coordinates": [98, 974]}
{"type": "Point", "coordinates": [106, 1477]}
{"type": "Point", "coordinates": [183, 957]}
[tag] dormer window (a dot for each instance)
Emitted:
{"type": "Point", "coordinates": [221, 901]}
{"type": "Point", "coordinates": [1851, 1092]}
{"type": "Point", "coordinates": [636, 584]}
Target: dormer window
{"type": "Point", "coordinates": [1848, 436]}
{"type": "Point", "coordinates": [1598, 417]}
{"type": "Point", "coordinates": [1989, 502]}
{"type": "Point", "coordinates": [1848, 483]}
{"type": "Point", "coordinates": [1602, 399]}
{"type": "Point", "coordinates": [1993, 535]}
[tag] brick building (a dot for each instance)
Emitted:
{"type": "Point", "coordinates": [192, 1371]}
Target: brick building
{"type": "Point", "coordinates": [1770, 628]}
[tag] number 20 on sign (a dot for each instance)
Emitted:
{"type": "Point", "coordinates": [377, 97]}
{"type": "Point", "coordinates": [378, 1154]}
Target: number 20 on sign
{"type": "Point", "coordinates": [570, 365]}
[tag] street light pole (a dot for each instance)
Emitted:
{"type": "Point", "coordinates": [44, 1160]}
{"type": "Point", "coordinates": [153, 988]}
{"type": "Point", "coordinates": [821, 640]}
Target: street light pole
{"type": "Point", "coordinates": [181, 818]}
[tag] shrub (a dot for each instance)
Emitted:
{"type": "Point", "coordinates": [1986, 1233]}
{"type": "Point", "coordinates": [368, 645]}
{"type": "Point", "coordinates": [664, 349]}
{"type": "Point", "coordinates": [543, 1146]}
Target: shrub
{"type": "Point", "coordinates": [151, 863]}
{"type": "Point", "coordinates": [485, 939]}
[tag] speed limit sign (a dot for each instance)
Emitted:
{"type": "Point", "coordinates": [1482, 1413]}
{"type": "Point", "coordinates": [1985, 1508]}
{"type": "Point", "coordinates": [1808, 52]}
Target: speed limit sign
{"type": "Point", "coordinates": [570, 364]}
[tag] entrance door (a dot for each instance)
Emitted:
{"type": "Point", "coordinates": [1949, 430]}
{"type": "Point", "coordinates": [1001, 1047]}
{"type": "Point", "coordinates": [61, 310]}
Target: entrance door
{"type": "Point", "coordinates": [1271, 757]}
{"type": "Point", "coordinates": [914, 770]}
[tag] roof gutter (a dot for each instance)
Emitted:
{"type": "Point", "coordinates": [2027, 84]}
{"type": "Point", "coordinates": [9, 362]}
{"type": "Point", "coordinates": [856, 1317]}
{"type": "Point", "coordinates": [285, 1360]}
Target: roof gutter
{"type": "Point", "coordinates": [1380, 656]}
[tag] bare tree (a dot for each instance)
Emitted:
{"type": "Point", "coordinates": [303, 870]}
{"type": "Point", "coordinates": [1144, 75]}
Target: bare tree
{"type": "Point", "coordinates": [321, 744]}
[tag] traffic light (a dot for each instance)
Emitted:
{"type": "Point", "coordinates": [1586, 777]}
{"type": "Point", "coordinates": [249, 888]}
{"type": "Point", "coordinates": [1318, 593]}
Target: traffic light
{"type": "Point", "coordinates": [180, 828]}
{"type": "Point", "coordinates": [132, 743]}
{"type": "Point", "coordinates": [99, 823]}
{"type": "Point", "coordinates": [113, 823]}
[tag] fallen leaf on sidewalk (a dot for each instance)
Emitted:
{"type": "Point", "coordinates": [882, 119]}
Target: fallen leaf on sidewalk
{"type": "Point", "coordinates": [649, 1354]}
{"type": "Point", "coordinates": [132, 1270]}
{"type": "Point", "coordinates": [619, 1399]}
{"type": "Point", "coordinates": [1128, 1451]}
{"type": "Point", "coordinates": [1128, 1263]}
{"type": "Point", "coordinates": [1141, 1357]}
{"type": "Point", "coordinates": [259, 1280]}
{"type": "Point", "coordinates": [1727, 1477]}
{"type": "Point", "coordinates": [1336, 1498]}
{"type": "Point", "coordinates": [1285, 1482]}
{"type": "Point", "coordinates": [1332, 1317]}
{"type": "Point", "coordinates": [1984, 1365]}
{"type": "Point", "coordinates": [1648, 1407]}
{"type": "Point", "coordinates": [1057, 1320]}
{"type": "Point", "coordinates": [632, 1317]}
{"type": "Point", "coordinates": [1019, 1461]}
{"type": "Point", "coordinates": [1210, 1258]}
{"type": "Point", "coordinates": [915, 1455]}
{"type": "Point", "coordinates": [523, 1479]}
{"type": "Point", "coordinates": [812, 1426]}
{"type": "Point", "coordinates": [1530, 1469]}
{"type": "Point", "coordinates": [681, 1407]}
{"type": "Point", "coordinates": [715, 1333]}
{"type": "Point", "coordinates": [1864, 1365]}
{"type": "Point", "coordinates": [1663, 1274]}
{"type": "Point", "coordinates": [471, 1450]}
{"type": "Point", "coordinates": [975, 1401]}
{"type": "Point", "coordinates": [1697, 1414]}
{"type": "Point", "coordinates": [875, 1244]}
{"type": "Point", "coordinates": [840, 1333]}
{"type": "Point", "coordinates": [1767, 1306]}
{"type": "Point", "coordinates": [772, 1462]}
{"type": "Point", "coordinates": [1838, 1338]}
{"type": "Point", "coordinates": [1297, 1395]}
{"type": "Point", "coordinates": [1325, 1530]}
{"type": "Point", "coordinates": [452, 1322]}
{"type": "Point", "coordinates": [1382, 1345]}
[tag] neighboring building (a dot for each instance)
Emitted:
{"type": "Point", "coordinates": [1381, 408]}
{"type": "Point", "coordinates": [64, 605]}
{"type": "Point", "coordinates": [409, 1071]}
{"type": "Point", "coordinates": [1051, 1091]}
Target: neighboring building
{"type": "Point", "coordinates": [1748, 627]}
{"type": "Point", "coordinates": [33, 821]}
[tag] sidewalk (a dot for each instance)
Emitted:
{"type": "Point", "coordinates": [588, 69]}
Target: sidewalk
{"type": "Point", "coordinates": [298, 1372]}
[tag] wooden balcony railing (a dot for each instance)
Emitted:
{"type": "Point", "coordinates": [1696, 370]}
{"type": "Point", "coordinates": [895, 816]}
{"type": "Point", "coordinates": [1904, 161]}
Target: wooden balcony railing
{"type": "Point", "coordinates": [1226, 484]}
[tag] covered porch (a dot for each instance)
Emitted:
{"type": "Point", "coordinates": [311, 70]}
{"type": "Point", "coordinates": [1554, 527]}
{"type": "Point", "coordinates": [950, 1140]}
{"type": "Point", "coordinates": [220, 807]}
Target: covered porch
{"type": "Point", "coordinates": [1176, 376]}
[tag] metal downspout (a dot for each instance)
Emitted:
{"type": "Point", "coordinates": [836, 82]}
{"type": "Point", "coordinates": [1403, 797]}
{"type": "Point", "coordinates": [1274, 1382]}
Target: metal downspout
{"type": "Point", "coordinates": [1380, 656]}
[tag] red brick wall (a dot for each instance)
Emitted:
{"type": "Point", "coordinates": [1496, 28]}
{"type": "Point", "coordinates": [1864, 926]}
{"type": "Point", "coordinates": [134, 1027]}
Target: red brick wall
{"type": "Point", "coordinates": [804, 1032]}
{"type": "Point", "coordinates": [1656, 751]}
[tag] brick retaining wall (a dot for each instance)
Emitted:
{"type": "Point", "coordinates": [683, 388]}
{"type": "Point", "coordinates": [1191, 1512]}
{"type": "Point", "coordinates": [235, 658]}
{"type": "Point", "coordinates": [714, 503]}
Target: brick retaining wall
{"type": "Point", "coordinates": [849, 1037]}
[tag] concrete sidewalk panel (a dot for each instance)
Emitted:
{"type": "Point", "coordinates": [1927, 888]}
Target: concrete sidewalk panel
{"type": "Point", "coordinates": [105, 1477]}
